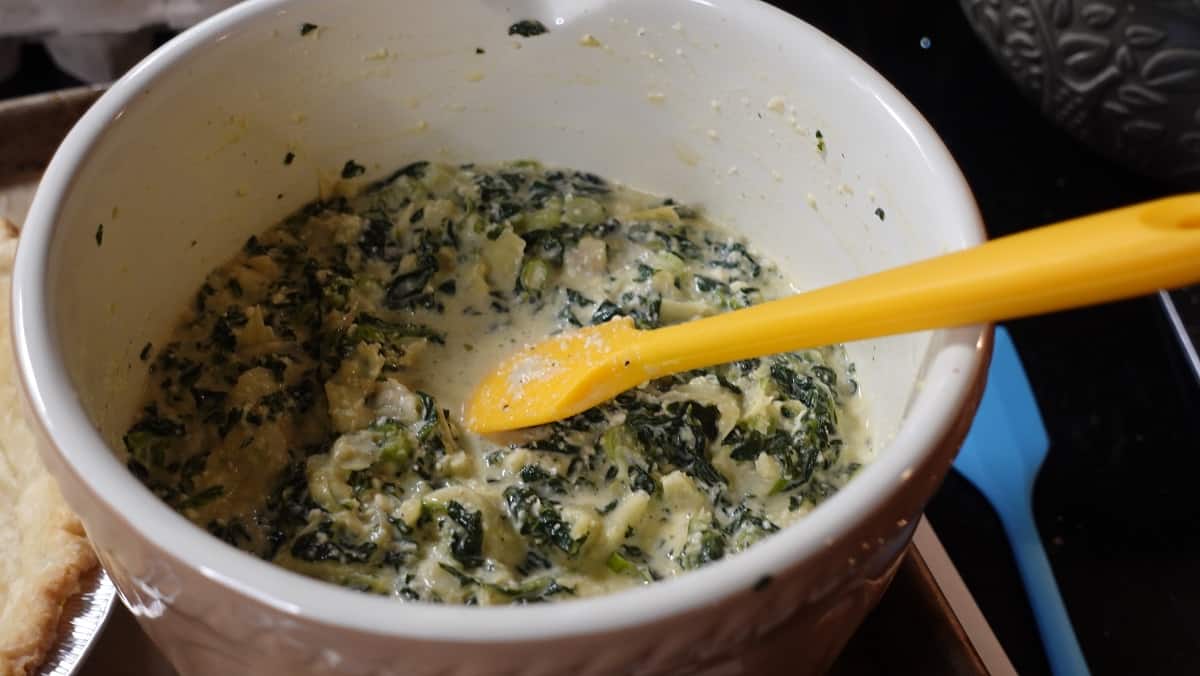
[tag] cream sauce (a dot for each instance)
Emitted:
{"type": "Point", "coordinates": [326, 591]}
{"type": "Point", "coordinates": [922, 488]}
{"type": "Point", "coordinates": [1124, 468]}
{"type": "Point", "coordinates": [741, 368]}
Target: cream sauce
{"type": "Point", "coordinates": [309, 406]}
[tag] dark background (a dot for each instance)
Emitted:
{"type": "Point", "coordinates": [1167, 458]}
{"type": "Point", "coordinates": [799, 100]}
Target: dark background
{"type": "Point", "coordinates": [1118, 501]}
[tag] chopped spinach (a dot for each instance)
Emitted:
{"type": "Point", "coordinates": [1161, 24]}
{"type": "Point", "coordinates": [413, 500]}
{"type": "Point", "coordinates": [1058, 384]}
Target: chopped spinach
{"type": "Point", "coordinates": [203, 497]}
{"type": "Point", "coordinates": [679, 435]}
{"type": "Point", "coordinates": [640, 480]}
{"type": "Point", "coordinates": [527, 28]}
{"type": "Point", "coordinates": [467, 542]}
{"type": "Point", "coordinates": [414, 170]}
{"type": "Point", "coordinates": [605, 312]}
{"type": "Point", "coordinates": [540, 520]}
{"type": "Point", "coordinates": [151, 437]}
{"type": "Point", "coordinates": [706, 543]}
{"type": "Point", "coordinates": [326, 544]}
{"type": "Point", "coordinates": [407, 287]}
{"type": "Point", "coordinates": [352, 169]}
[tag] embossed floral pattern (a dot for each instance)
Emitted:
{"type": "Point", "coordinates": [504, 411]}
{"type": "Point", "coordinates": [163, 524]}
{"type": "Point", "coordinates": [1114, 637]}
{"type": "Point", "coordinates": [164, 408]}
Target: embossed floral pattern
{"type": "Point", "coordinates": [1121, 75]}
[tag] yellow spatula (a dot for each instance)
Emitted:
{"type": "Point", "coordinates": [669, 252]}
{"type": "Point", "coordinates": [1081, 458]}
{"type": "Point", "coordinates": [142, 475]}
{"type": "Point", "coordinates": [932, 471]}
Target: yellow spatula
{"type": "Point", "coordinates": [1107, 256]}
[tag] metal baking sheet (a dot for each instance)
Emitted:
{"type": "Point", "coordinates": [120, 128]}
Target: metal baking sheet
{"type": "Point", "coordinates": [1182, 308]}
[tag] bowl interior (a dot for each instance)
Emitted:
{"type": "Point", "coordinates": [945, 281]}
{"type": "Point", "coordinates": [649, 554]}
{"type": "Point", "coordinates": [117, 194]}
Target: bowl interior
{"type": "Point", "coordinates": [681, 99]}
{"type": "Point", "coordinates": [719, 104]}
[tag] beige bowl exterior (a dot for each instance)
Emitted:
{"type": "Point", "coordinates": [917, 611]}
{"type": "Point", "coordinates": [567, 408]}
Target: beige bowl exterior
{"type": "Point", "coordinates": [824, 598]}
{"type": "Point", "coordinates": [714, 104]}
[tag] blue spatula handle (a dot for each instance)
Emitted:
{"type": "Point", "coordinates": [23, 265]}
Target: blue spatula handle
{"type": "Point", "coordinates": [1058, 638]}
{"type": "Point", "coordinates": [1002, 456]}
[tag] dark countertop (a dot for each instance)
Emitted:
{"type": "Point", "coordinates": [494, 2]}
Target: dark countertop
{"type": "Point", "coordinates": [1116, 502]}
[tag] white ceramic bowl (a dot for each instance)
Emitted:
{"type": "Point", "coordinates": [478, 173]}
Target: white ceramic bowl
{"type": "Point", "coordinates": [711, 102]}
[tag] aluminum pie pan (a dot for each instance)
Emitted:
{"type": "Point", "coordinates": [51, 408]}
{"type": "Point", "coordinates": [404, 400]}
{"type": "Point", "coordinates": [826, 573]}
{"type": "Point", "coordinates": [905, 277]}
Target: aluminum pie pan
{"type": "Point", "coordinates": [80, 625]}
{"type": "Point", "coordinates": [1182, 308]}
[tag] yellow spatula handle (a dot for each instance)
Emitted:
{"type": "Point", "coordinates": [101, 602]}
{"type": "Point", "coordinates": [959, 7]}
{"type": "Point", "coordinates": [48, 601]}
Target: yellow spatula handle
{"type": "Point", "coordinates": [1103, 257]}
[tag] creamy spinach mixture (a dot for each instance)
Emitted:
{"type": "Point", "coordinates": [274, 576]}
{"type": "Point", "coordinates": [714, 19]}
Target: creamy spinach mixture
{"type": "Point", "coordinates": [308, 406]}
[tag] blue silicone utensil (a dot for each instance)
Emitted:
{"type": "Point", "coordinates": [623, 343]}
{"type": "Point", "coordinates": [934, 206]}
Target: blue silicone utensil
{"type": "Point", "coordinates": [1001, 456]}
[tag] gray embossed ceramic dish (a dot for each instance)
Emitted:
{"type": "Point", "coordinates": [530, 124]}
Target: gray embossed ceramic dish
{"type": "Point", "coordinates": [773, 128]}
{"type": "Point", "coordinates": [1123, 76]}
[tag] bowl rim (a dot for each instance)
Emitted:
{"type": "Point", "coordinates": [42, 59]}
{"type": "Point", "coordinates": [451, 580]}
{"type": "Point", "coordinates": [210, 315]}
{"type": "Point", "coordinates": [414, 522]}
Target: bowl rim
{"type": "Point", "coordinates": [932, 414]}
